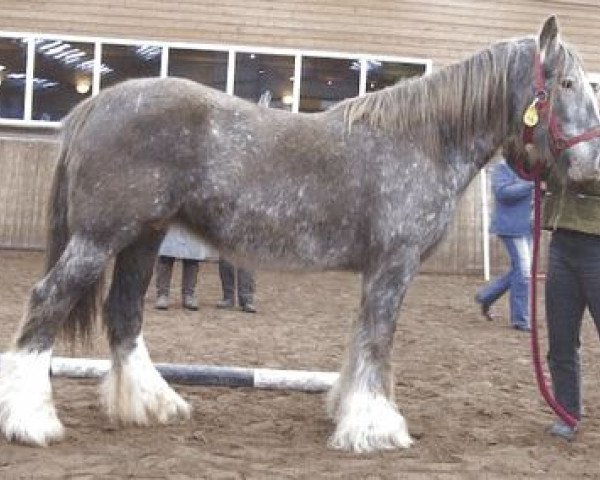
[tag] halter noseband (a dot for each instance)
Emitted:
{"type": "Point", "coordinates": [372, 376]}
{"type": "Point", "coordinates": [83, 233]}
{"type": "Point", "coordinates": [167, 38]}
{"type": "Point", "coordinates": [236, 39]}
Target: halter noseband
{"type": "Point", "coordinates": [541, 107]}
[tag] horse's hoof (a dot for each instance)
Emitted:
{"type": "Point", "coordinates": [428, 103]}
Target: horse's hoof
{"type": "Point", "coordinates": [369, 423]}
{"type": "Point", "coordinates": [141, 397]}
{"type": "Point", "coordinates": [360, 441]}
{"type": "Point", "coordinates": [37, 429]}
{"type": "Point", "coordinates": [170, 408]}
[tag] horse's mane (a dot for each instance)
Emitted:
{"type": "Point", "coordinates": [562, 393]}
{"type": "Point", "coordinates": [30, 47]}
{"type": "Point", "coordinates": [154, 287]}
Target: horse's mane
{"type": "Point", "coordinates": [458, 99]}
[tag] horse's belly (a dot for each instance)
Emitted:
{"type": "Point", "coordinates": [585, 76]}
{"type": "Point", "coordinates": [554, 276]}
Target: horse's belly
{"type": "Point", "coordinates": [290, 245]}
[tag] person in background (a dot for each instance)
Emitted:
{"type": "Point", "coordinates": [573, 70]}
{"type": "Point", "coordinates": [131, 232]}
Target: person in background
{"type": "Point", "coordinates": [572, 214]}
{"type": "Point", "coordinates": [179, 243]}
{"type": "Point", "coordinates": [245, 287]}
{"type": "Point", "coordinates": [511, 222]}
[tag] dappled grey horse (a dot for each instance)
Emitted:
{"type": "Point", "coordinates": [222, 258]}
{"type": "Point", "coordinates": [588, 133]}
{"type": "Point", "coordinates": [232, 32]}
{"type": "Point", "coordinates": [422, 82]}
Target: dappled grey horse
{"type": "Point", "coordinates": [368, 186]}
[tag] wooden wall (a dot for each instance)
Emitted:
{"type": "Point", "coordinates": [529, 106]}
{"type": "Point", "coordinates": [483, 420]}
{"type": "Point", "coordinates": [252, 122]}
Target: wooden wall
{"type": "Point", "coordinates": [26, 165]}
{"type": "Point", "coordinates": [442, 30]}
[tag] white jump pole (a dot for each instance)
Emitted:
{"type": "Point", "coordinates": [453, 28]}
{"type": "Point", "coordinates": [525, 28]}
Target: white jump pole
{"type": "Point", "coordinates": [263, 378]}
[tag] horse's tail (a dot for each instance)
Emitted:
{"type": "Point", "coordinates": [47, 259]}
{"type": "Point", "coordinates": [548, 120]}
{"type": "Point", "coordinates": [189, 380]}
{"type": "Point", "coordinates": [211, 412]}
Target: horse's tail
{"type": "Point", "coordinates": [81, 320]}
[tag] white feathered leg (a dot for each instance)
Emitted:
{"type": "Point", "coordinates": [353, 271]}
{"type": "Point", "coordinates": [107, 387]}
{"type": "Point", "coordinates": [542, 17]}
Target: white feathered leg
{"type": "Point", "coordinates": [366, 420]}
{"type": "Point", "coordinates": [27, 413]}
{"type": "Point", "coordinates": [134, 392]}
{"type": "Point", "coordinates": [361, 402]}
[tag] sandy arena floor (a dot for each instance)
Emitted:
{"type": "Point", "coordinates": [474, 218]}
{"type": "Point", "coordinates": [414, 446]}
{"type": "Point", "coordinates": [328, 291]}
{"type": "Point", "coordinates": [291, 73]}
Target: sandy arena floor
{"type": "Point", "coordinates": [465, 386]}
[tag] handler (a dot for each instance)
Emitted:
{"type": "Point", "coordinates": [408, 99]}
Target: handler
{"type": "Point", "coordinates": [572, 213]}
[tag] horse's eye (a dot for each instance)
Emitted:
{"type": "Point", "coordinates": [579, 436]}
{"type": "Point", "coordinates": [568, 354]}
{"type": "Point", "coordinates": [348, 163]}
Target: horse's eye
{"type": "Point", "coordinates": [567, 83]}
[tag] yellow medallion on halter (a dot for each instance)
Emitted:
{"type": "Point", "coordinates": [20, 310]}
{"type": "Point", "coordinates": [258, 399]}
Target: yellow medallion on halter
{"type": "Point", "coordinates": [531, 117]}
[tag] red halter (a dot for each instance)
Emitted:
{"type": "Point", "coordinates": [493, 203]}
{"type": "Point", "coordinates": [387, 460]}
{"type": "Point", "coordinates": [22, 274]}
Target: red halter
{"type": "Point", "coordinates": [543, 108]}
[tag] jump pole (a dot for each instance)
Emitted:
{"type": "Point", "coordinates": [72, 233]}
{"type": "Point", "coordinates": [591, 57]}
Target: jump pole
{"type": "Point", "coordinates": [263, 378]}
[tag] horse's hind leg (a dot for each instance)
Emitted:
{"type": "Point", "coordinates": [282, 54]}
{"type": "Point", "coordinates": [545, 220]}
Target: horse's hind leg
{"type": "Point", "coordinates": [133, 391]}
{"type": "Point", "coordinates": [361, 402]}
{"type": "Point", "coordinates": [27, 413]}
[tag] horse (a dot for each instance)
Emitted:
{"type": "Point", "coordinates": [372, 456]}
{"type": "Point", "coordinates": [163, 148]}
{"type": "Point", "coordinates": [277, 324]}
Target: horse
{"type": "Point", "coordinates": [368, 186]}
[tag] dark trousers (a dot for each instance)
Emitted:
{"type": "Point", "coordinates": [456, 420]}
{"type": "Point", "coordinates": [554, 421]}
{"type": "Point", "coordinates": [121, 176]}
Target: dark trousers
{"type": "Point", "coordinates": [164, 270]}
{"type": "Point", "coordinates": [245, 282]}
{"type": "Point", "coordinates": [572, 284]}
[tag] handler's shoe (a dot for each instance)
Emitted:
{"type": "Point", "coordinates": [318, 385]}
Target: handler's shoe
{"type": "Point", "coordinates": [562, 430]}
{"type": "Point", "coordinates": [521, 327]}
{"type": "Point", "coordinates": [162, 302]}
{"type": "Point", "coordinates": [190, 302]}
{"type": "Point", "coordinates": [225, 303]}
{"type": "Point", "coordinates": [485, 309]}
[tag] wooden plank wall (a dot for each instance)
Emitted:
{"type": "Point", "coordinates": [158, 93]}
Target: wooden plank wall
{"type": "Point", "coordinates": [26, 166]}
{"type": "Point", "coordinates": [442, 30]}
{"type": "Point", "coordinates": [461, 251]}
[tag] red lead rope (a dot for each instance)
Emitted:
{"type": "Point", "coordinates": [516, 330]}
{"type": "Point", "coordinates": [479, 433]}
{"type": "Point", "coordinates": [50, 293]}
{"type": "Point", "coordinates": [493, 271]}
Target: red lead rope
{"type": "Point", "coordinates": [535, 347]}
{"type": "Point", "coordinates": [535, 176]}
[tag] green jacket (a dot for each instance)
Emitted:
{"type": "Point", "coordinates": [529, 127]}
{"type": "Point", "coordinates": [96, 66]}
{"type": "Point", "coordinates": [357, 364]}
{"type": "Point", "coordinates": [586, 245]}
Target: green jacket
{"type": "Point", "coordinates": [573, 207]}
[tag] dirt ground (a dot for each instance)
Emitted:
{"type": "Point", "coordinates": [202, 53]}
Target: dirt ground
{"type": "Point", "coordinates": [465, 386]}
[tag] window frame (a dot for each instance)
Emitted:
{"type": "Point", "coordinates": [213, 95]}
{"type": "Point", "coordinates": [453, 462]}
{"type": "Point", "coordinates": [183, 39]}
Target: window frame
{"type": "Point", "coordinates": [297, 53]}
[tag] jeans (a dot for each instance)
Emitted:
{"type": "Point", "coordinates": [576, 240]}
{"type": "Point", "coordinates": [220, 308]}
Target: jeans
{"type": "Point", "coordinates": [516, 280]}
{"type": "Point", "coordinates": [572, 284]}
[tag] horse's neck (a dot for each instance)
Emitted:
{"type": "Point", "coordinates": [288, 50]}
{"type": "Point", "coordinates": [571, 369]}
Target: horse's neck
{"type": "Point", "coordinates": [491, 131]}
{"type": "Point", "coordinates": [463, 164]}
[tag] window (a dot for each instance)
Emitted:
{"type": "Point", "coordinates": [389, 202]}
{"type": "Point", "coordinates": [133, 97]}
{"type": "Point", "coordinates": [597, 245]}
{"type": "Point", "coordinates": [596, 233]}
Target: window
{"type": "Point", "coordinates": [62, 77]}
{"type": "Point", "coordinates": [265, 74]}
{"type": "Point", "coordinates": [385, 74]}
{"type": "Point", "coordinates": [13, 61]}
{"type": "Point", "coordinates": [204, 66]}
{"type": "Point", "coordinates": [40, 90]}
{"type": "Point", "coordinates": [326, 81]}
{"type": "Point", "coordinates": [129, 61]}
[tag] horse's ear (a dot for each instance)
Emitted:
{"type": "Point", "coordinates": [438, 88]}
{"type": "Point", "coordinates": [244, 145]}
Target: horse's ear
{"type": "Point", "coordinates": [548, 40]}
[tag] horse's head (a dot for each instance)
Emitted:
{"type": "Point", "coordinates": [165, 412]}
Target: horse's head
{"type": "Point", "coordinates": [561, 122]}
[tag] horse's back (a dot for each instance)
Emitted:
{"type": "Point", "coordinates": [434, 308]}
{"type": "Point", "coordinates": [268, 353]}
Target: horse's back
{"type": "Point", "coordinates": [250, 179]}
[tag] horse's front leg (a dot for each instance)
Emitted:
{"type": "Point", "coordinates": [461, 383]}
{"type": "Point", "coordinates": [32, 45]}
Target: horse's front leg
{"type": "Point", "coordinates": [362, 401]}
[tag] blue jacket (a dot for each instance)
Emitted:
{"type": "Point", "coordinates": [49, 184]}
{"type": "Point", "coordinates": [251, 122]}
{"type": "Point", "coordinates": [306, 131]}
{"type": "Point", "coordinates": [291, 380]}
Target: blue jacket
{"type": "Point", "coordinates": [512, 202]}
